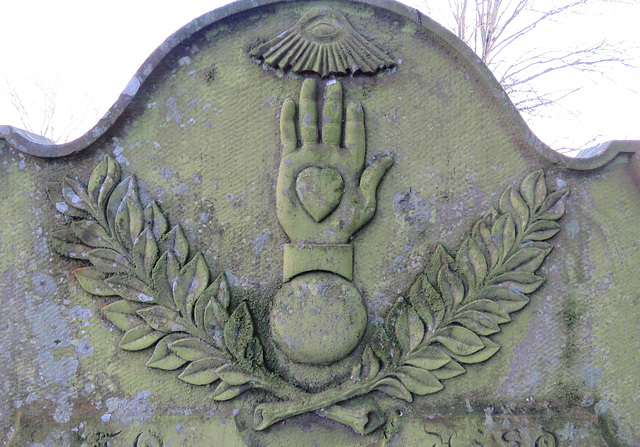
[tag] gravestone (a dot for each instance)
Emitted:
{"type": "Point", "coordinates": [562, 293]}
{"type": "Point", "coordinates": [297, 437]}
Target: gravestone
{"type": "Point", "coordinates": [317, 223]}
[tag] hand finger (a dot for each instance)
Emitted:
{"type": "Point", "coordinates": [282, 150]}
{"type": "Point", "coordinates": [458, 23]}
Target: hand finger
{"type": "Point", "coordinates": [371, 178]}
{"type": "Point", "coordinates": [332, 114]}
{"type": "Point", "coordinates": [308, 112]}
{"type": "Point", "coordinates": [288, 207]}
{"type": "Point", "coordinates": [355, 140]}
{"type": "Point", "coordinates": [288, 127]}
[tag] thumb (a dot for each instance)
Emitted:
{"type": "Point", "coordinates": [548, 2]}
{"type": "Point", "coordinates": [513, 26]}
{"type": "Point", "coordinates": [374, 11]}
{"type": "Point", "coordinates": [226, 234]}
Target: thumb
{"type": "Point", "coordinates": [371, 178]}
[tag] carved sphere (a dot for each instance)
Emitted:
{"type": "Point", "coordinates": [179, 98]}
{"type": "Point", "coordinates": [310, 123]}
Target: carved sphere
{"type": "Point", "coordinates": [318, 318]}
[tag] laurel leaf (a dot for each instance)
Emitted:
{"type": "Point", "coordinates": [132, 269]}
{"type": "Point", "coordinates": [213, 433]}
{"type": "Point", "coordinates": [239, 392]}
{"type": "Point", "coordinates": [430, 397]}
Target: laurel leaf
{"type": "Point", "coordinates": [542, 230]}
{"type": "Point", "coordinates": [54, 193]}
{"type": "Point", "coordinates": [115, 199]}
{"type": "Point", "coordinates": [416, 329]}
{"type": "Point", "coordinates": [356, 370]}
{"type": "Point", "coordinates": [200, 305]}
{"type": "Point", "coordinates": [451, 287]}
{"type": "Point", "coordinates": [145, 253]}
{"type": "Point", "coordinates": [553, 207]}
{"type": "Point", "coordinates": [519, 282]}
{"type": "Point", "coordinates": [489, 309]}
{"type": "Point", "coordinates": [139, 338]}
{"type": "Point", "coordinates": [207, 313]}
{"type": "Point", "coordinates": [429, 358]}
{"type": "Point", "coordinates": [448, 371]}
{"type": "Point", "coordinates": [427, 302]}
{"type": "Point", "coordinates": [490, 218]}
{"type": "Point", "coordinates": [418, 381]}
{"type": "Point", "coordinates": [439, 258]}
{"type": "Point", "coordinates": [534, 190]}
{"type": "Point", "coordinates": [383, 347]}
{"type": "Point", "coordinates": [192, 280]}
{"type": "Point", "coordinates": [102, 181]}
{"type": "Point", "coordinates": [110, 182]}
{"type": "Point", "coordinates": [170, 362]}
{"type": "Point", "coordinates": [75, 194]}
{"type": "Point", "coordinates": [216, 311]}
{"type": "Point", "coordinates": [223, 296]}
{"type": "Point", "coordinates": [151, 253]}
{"type": "Point", "coordinates": [192, 349]}
{"type": "Point", "coordinates": [402, 330]}
{"type": "Point", "coordinates": [409, 329]}
{"type": "Point", "coordinates": [526, 259]}
{"type": "Point", "coordinates": [163, 276]}
{"type": "Point", "coordinates": [488, 350]}
{"type": "Point", "coordinates": [511, 203]}
{"type": "Point", "coordinates": [508, 297]}
{"type": "Point", "coordinates": [485, 243]}
{"type": "Point", "coordinates": [394, 388]}
{"type": "Point", "coordinates": [181, 246]}
{"type": "Point", "coordinates": [123, 224]}
{"type": "Point", "coordinates": [90, 233]}
{"type": "Point", "coordinates": [254, 352]}
{"type": "Point", "coordinates": [65, 243]}
{"type": "Point", "coordinates": [176, 242]}
{"type": "Point", "coordinates": [224, 391]}
{"type": "Point", "coordinates": [370, 364]}
{"type": "Point", "coordinates": [541, 245]}
{"type": "Point", "coordinates": [162, 319]}
{"type": "Point", "coordinates": [202, 372]}
{"type": "Point", "coordinates": [477, 322]}
{"type": "Point", "coordinates": [129, 221]}
{"type": "Point", "coordinates": [459, 340]}
{"type": "Point", "coordinates": [109, 261]}
{"type": "Point", "coordinates": [233, 376]}
{"type": "Point", "coordinates": [238, 331]}
{"type": "Point", "coordinates": [163, 358]}
{"type": "Point", "coordinates": [96, 179]}
{"type": "Point", "coordinates": [131, 288]}
{"type": "Point", "coordinates": [390, 321]}
{"type": "Point", "coordinates": [155, 220]}
{"type": "Point", "coordinates": [92, 280]}
{"type": "Point", "coordinates": [471, 262]}
{"type": "Point", "coordinates": [123, 314]}
{"type": "Point", "coordinates": [504, 233]}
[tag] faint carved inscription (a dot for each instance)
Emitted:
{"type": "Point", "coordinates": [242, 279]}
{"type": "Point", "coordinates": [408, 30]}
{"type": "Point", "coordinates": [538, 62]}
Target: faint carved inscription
{"type": "Point", "coordinates": [481, 436]}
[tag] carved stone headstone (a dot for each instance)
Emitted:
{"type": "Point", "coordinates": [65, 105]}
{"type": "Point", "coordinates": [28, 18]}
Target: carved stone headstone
{"type": "Point", "coordinates": [317, 223]}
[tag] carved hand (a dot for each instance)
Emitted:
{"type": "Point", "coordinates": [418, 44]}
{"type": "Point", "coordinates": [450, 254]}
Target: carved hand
{"type": "Point", "coordinates": [323, 195]}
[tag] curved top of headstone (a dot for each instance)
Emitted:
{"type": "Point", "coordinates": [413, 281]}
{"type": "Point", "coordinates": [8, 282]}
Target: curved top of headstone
{"type": "Point", "coordinates": [39, 146]}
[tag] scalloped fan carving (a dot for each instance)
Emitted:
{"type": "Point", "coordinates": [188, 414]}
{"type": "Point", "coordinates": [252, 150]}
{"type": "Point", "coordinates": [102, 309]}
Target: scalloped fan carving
{"type": "Point", "coordinates": [323, 42]}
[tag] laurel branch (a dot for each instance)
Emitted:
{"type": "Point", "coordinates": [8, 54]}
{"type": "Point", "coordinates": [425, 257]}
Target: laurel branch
{"type": "Point", "coordinates": [168, 300]}
{"type": "Point", "coordinates": [460, 301]}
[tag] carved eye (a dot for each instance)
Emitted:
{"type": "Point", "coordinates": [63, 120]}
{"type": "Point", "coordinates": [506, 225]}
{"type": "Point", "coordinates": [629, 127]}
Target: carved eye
{"type": "Point", "coordinates": [323, 29]}
{"type": "Point", "coordinates": [323, 42]}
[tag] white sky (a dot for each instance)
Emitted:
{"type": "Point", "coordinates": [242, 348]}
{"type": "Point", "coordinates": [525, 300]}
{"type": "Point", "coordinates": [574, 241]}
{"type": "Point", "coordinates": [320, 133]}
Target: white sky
{"type": "Point", "coordinates": [90, 50]}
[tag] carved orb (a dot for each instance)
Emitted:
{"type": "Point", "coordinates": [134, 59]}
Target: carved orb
{"type": "Point", "coordinates": [318, 318]}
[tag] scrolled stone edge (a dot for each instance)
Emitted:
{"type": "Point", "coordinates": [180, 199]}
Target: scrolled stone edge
{"type": "Point", "coordinates": [39, 146]}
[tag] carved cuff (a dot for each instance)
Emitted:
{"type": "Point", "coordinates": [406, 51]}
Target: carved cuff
{"type": "Point", "coordinates": [311, 257]}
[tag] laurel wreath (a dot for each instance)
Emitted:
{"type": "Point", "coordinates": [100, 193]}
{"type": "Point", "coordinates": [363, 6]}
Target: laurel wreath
{"type": "Point", "coordinates": [168, 300]}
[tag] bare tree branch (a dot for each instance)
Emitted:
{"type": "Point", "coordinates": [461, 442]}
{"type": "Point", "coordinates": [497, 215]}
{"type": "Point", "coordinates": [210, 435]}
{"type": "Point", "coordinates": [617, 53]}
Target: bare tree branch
{"type": "Point", "coordinates": [495, 28]}
{"type": "Point", "coordinates": [43, 119]}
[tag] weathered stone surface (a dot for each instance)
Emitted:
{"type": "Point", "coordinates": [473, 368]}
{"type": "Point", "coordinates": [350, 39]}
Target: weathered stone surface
{"type": "Point", "coordinates": [501, 273]}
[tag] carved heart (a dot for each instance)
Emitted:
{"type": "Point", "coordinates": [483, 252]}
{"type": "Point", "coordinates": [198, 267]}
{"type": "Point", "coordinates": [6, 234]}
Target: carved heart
{"type": "Point", "coordinates": [319, 191]}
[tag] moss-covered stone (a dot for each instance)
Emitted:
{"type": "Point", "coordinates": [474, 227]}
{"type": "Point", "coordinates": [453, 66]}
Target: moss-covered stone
{"type": "Point", "coordinates": [203, 136]}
